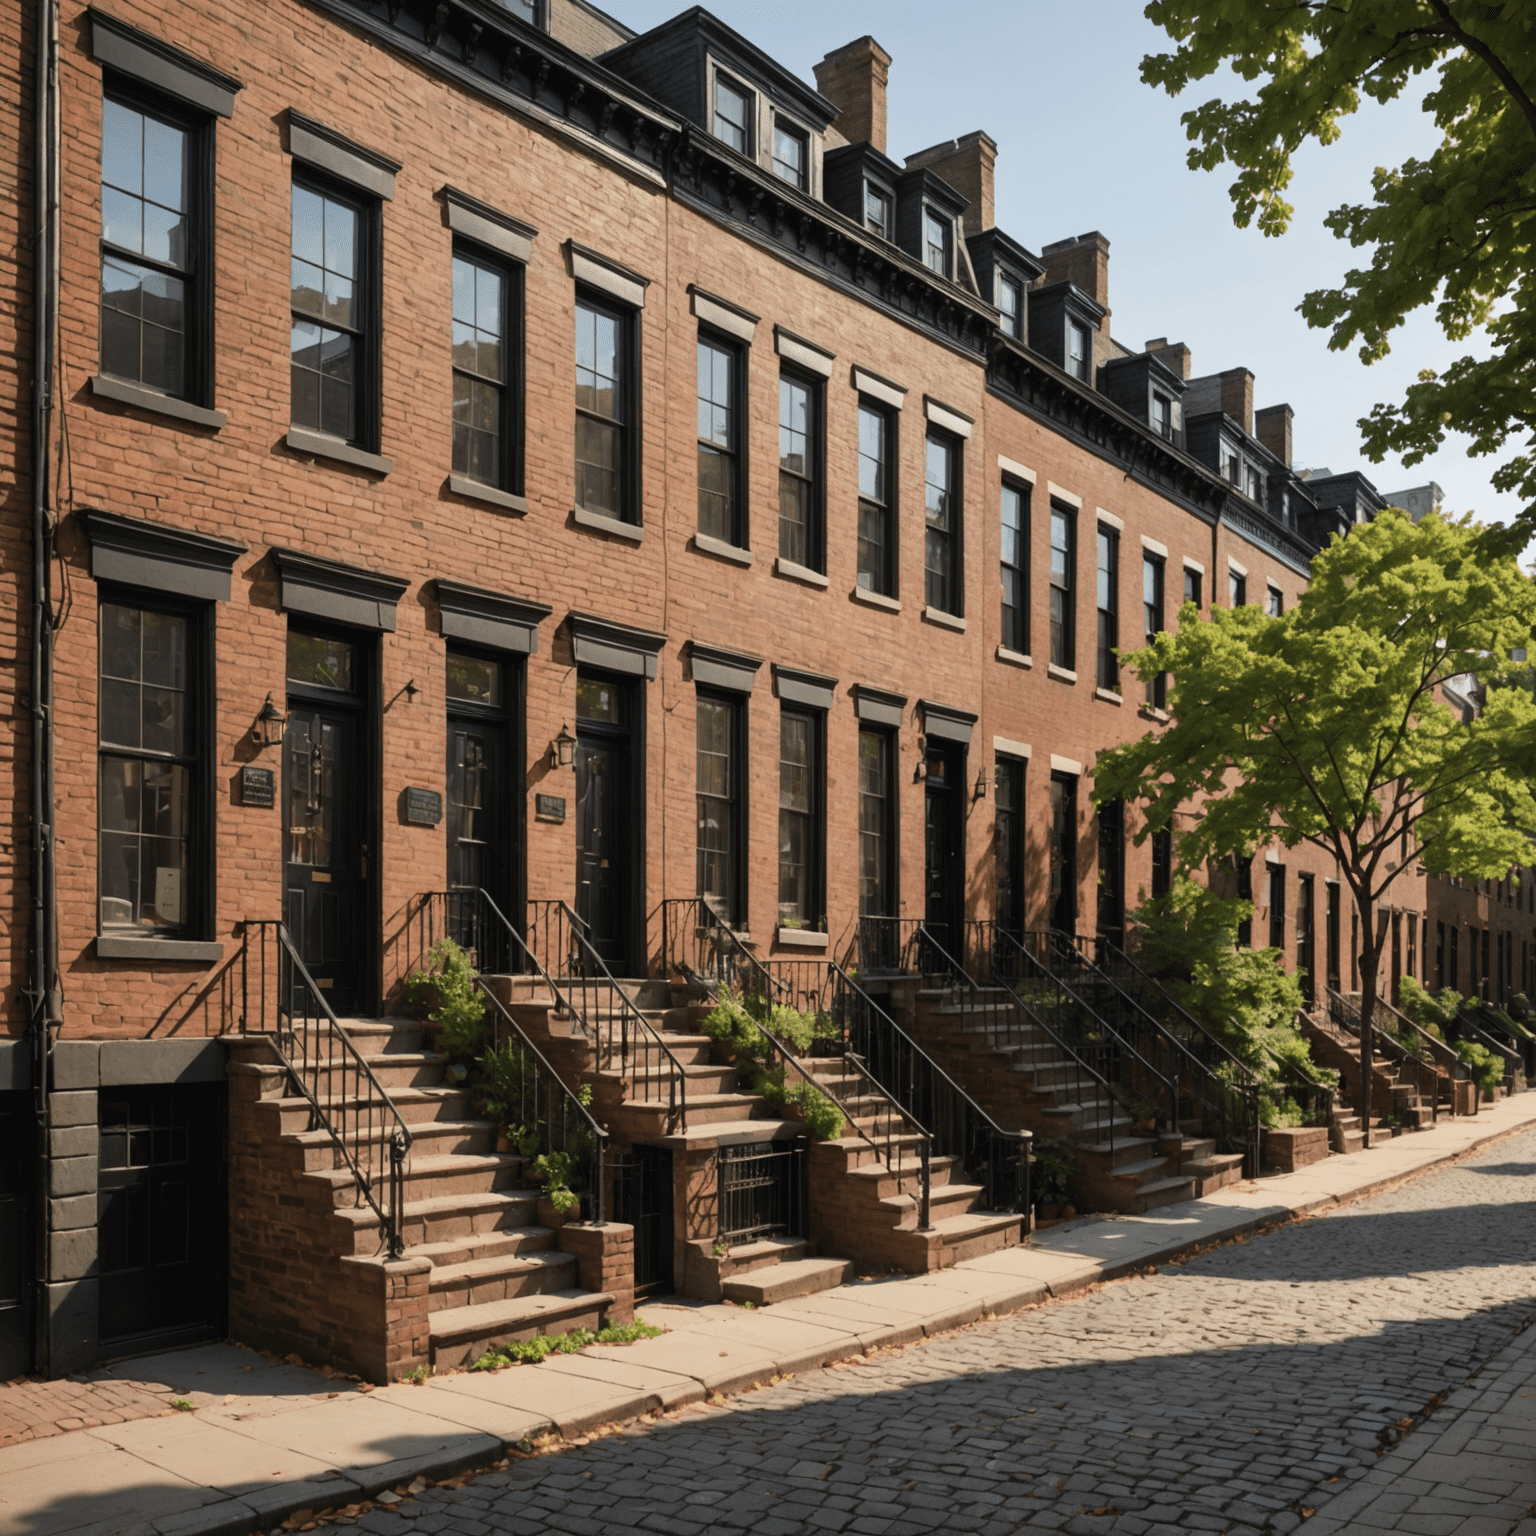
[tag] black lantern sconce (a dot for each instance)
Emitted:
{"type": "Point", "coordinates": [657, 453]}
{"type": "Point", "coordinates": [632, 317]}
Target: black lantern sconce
{"type": "Point", "coordinates": [270, 725]}
{"type": "Point", "coordinates": [980, 791]}
{"type": "Point", "coordinates": [562, 750]}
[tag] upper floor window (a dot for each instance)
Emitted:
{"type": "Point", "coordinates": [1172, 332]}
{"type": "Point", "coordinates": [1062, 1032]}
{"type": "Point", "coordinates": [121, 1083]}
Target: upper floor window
{"type": "Point", "coordinates": [733, 114]}
{"type": "Point", "coordinates": [1230, 463]}
{"type": "Point", "coordinates": [1162, 415]}
{"type": "Point", "coordinates": [1063, 585]}
{"type": "Point", "coordinates": [937, 236]}
{"type": "Point", "coordinates": [719, 805]}
{"type": "Point", "coordinates": [1237, 589]}
{"type": "Point", "coordinates": [151, 250]}
{"type": "Point", "coordinates": [1079, 352]}
{"type": "Point", "coordinates": [877, 211]}
{"type": "Point", "coordinates": [482, 370]}
{"type": "Point", "coordinates": [719, 446]}
{"type": "Point", "coordinates": [790, 154]}
{"type": "Point", "coordinates": [1152, 622]}
{"type": "Point", "coordinates": [798, 453]}
{"type": "Point", "coordinates": [801, 828]}
{"type": "Point", "coordinates": [1010, 306]}
{"type": "Point", "coordinates": [524, 10]}
{"type": "Point", "coordinates": [1274, 603]}
{"type": "Point", "coordinates": [604, 389]}
{"type": "Point", "coordinates": [1015, 567]}
{"type": "Point", "coordinates": [1109, 608]}
{"type": "Point", "coordinates": [1192, 585]}
{"type": "Point", "coordinates": [942, 544]}
{"type": "Point", "coordinates": [877, 533]}
{"type": "Point", "coordinates": [1252, 484]}
{"type": "Point", "coordinates": [334, 310]}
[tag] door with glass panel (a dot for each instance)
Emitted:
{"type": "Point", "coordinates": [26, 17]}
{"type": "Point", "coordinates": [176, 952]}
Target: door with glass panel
{"type": "Point", "coordinates": [719, 871]}
{"type": "Point", "coordinates": [325, 855]}
{"type": "Point", "coordinates": [1008, 845]}
{"type": "Point", "coordinates": [607, 820]}
{"type": "Point", "coordinates": [480, 810]}
{"type": "Point", "coordinates": [944, 810]}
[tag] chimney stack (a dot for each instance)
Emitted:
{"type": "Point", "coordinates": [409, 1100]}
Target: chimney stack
{"type": "Point", "coordinates": [968, 165]}
{"type": "Point", "coordinates": [1272, 427]}
{"type": "Point", "coordinates": [1237, 396]}
{"type": "Point", "coordinates": [1174, 355]}
{"type": "Point", "coordinates": [1085, 262]}
{"type": "Point", "coordinates": [853, 79]}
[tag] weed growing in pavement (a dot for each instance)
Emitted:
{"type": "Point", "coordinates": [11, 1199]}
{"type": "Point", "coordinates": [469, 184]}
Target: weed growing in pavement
{"type": "Point", "coordinates": [531, 1351]}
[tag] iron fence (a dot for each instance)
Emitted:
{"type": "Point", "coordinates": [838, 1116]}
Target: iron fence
{"type": "Point", "coordinates": [762, 1190]}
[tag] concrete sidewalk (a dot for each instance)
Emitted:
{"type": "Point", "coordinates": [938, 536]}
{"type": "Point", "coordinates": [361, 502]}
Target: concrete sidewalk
{"type": "Point", "coordinates": [265, 1441]}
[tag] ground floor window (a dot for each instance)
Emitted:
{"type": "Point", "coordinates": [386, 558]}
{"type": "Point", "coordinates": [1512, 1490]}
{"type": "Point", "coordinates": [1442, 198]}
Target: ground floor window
{"type": "Point", "coordinates": [1009, 845]}
{"type": "Point", "coordinates": [719, 806]}
{"type": "Point", "coordinates": [799, 820]}
{"type": "Point", "coordinates": [877, 825]}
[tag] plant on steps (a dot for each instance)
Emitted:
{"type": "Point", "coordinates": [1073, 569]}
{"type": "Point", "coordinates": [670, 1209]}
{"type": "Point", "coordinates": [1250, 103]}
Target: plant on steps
{"type": "Point", "coordinates": [1433, 1012]}
{"type": "Point", "coordinates": [1487, 1069]}
{"type": "Point", "coordinates": [1051, 1172]}
{"type": "Point", "coordinates": [507, 1084]}
{"type": "Point", "coordinates": [446, 986]}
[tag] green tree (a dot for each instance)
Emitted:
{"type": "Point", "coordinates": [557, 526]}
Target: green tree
{"type": "Point", "coordinates": [1324, 726]}
{"type": "Point", "coordinates": [1454, 231]}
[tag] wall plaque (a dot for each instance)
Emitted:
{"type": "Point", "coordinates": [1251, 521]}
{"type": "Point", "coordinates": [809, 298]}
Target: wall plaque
{"type": "Point", "coordinates": [549, 807]}
{"type": "Point", "coordinates": [423, 807]}
{"type": "Point", "coordinates": [257, 787]}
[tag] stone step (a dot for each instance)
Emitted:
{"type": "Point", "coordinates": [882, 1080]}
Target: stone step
{"type": "Point", "coordinates": [743, 1258]}
{"type": "Point", "coordinates": [498, 1243]}
{"type": "Point", "coordinates": [786, 1281]}
{"type": "Point", "coordinates": [432, 1139]}
{"type": "Point", "coordinates": [1349, 1141]}
{"type": "Point", "coordinates": [499, 1278]}
{"type": "Point", "coordinates": [416, 1106]}
{"type": "Point", "coordinates": [1167, 1191]}
{"type": "Point", "coordinates": [460, 1335]}
{"type": "Point", "coordinates": [1141, 1174]}
{"type": "Point", "coordinates": [973, 1234]}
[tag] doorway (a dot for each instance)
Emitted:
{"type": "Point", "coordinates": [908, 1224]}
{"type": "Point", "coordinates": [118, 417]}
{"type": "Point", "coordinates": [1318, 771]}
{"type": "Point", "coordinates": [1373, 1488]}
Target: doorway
{"type": "Point", "coordinates": [944, 843]}
{"type": "Point", "coordinates": [161, 1215]}
{"type": "Point", "coordinates": [331, 807]}
{"type": "Point", "coordinates": [1063, 914]}
{"type": "Point", "coordinates": [483, 806]}
{"type": "Point", "coordinates": [17, 1173]}
{"type": "Point", "coordinates": [609, 823]}
{"type": "Point", "coordinates": [642, 1180]}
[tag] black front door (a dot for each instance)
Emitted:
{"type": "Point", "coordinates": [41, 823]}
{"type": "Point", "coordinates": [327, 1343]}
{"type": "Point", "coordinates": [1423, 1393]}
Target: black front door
{"type": "Point", "coordinates": [327, 803]}
{"type": "Point", "coordinates": [1063, 853]}
{"type": "Point", "coordinates": [643, 1198]}
{"type": "Point", "coordinates": [482, 824]}
{"type": "Point", "coordinates": [607, 819]}
{"type": "Point", "coordinates": [944, 861]}
{"type": "Point", "coordinates": [160, 1213]}
{"type": "Point", "coordinates": [17, 1171]}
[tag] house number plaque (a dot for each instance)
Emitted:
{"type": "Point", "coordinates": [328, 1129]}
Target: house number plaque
{"type": "Point", "coordinates": [256, 787]}
{"type": "Point", "coordinates": [423, 807]}
{"type": "Point", "coordinates": [549, 807]}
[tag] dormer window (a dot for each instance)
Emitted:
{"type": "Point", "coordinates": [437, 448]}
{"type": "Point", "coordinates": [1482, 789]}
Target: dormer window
{"type": "Point", "coordinates": [1079, 351]}
{"type": "Point", "coordinates": [1010, 305]}
{"type": "Point", "coordinates": [1253, 484]}
{"type": "Point", "coordinates": [1230, 463]}
{"type": "Point", "coordinates": [877, 211]}
{"type": "Point", "coordinates": [789, 154]}
{"type": "Point", "coordinates": [524, 10]}
{"type": "Point", "coordinates": [937, 236]}
{"type": "Point", "coordinates": [733, 114]}
{"type": "Point", "coordinates": [1162, 415]}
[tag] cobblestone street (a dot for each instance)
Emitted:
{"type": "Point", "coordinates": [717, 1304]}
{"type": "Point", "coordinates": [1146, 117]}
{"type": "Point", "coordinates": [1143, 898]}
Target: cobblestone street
{"type": "Point", "coordinates": [1236, 1393]}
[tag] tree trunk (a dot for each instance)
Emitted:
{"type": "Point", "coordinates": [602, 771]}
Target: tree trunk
{"type": "Point", "coordinates": [1370, 959]}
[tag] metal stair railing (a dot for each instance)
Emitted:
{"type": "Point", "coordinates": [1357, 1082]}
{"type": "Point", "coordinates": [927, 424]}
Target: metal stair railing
{"type": "Point", "coordinates": [346, 1099]}
{"type": "Point", "coordinates": [1470, 1026]}
{"type": "Point", "coordinates": [545, 1106]}
{"type": "Point", "coordinates": [624, 1040]}
{"type": "Point", "coordinates": [1444, 1058]}
{"type": "Point", "coordinates": [1315, 1098]}
{"type": "Point", "coordinates": [1424, 1076]}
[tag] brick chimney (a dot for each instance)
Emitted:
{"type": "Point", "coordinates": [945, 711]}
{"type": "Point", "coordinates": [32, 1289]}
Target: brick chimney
{"type": "Point", "coordinates": [1085, 262]}
{"type": "Point", "coordinates": [1237, 396]}
{"type": "Point", "coordinates": [1174, 355]}
{"type": "Point", "coordinates": [968, 165]}
{"type": "Point", "coordinates": [853, 79]}
{"type": "Point", "coordinates": [1272, 427]}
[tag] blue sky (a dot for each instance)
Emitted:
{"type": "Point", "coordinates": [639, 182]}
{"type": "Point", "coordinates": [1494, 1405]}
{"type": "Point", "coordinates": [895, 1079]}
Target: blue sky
{"type": "Point", "coordinates": [1083, 144]}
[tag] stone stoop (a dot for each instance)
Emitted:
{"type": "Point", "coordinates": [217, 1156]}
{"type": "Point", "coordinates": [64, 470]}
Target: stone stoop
{"type": "Point", "coordinates": [1332, 1047]}
{"type": "Point", "coordinates": [1131, 1175]}
{"type": "Point", "coordinates": [478, 1269]}
{"type": "Point", "coordinates": [1196, 1157]}
{"type": "Point", "coordinates": [777, 1269]}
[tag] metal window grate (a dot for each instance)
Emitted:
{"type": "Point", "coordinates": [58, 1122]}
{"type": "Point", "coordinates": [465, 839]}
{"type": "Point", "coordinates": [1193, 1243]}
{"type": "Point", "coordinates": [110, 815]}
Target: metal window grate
{"type": "Point", "coordinates": [762, 1190]}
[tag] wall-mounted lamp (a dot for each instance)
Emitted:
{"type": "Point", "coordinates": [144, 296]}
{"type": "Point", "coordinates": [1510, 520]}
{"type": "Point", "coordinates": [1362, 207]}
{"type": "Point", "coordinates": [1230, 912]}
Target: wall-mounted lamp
{"type": "Point", "coordinates": [562, 750]}
{"type": "Point", "coordinates": [980, 792]}
{"type": "Point", "coordinates": [270, 725]}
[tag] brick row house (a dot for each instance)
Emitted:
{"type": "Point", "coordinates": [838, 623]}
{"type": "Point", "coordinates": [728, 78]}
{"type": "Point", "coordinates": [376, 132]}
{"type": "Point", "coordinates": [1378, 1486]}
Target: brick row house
{"type": "Point", "coordinates": [474, 447]}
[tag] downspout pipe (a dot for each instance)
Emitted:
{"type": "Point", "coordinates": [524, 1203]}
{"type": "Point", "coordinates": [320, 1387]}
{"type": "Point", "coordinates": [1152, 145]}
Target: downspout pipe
{"type": "Point", "coordinates": [43, 996]}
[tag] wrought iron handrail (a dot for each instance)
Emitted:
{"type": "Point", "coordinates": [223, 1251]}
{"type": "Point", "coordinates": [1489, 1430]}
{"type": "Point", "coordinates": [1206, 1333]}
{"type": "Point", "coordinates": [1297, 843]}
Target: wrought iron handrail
{"type": "Point", "coordinates": [1346, 1015]}
{"type": "Point", "coordinates": [1443, 1055]}
{"type": "Point", "coordinates": [1314, 1097]}
{"type": "Point", "coordinates": [346, 1099]}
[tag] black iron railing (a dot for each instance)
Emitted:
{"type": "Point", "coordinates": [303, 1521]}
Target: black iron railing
{"type": "Point", "coordinates": [762, 1190]}
{"type": "Point", "coordinates": [280, 1001]}
{"type": "Point", "coordinates": [1472, 1024]}
{"type": "Point", "coordinates": [1410, 1067]}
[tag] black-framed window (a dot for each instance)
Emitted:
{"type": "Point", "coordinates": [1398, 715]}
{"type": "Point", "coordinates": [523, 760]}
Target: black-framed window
{"type": "Point", "coordinates": [483, 695]}
{"type": "Point", "coordinates": [335, 313]}
{"type": "Point", "coordinates": [155, 236]}
{"type": "Point", "coordinates": [877, 823]}
{"type": "Point", "coordinates": [1162, 415]}
{"type": "Point", "coordinates": [1063, 585]}
{"type": "Point", "coordinates": [1014, 566]}
{"type": "Point", "coordinates": [486, 310]}
{"type": "Point", "coordinates": [799, 470]}
{"type": "Point", "coordinates": [941, 500]}
{"type": "Point", "coordinates": [1010, 306]}
{"type": "Point", "coordinates": [1274, 602]}
{"type": "Point", "coordinates": [605, 409]}
{"type": "Point", "coordinates": [938, 242]}
{"type": "Point", "coordinates": [1454, 976]}
{"type": "Point", "coordinates": [720, 498]}
{"type": "Point", "coordinates": [1062, 914]}
{"type": "Point", "coordinates": [877, 211]}
{"type": "Point", "coordinates": [1162, 861]}
{"type": "Point", "coordinates": [877, 499]}
{"type": "Point", "coordinates": [1230, 462]}
{"type": "Point", "coordinates": [1079, 352]}
{"type": "Point", "coordinates": [1008, 845]}
{"type": "Point", "coordinates": [732, 115]}
{"type": "Point", "coordinates": [1253, 486]}
{"type": "Point", "coordinates": [1237, 589]}
{"type": "Point", "coordinates": [1110, 916]}
{"type": "Point", "coordinates": [1152, 572]}
{"type": "Point", "coordinates": [1193, 587]}
{"type": "Point", "coordinates": [150, 766]}
{"type": "Point", "coordinates": [1277, 906]}
{"type": "Point", "coordinates": [791, 154]}
{"type": "Point", "coordinates": [1244, 867]}
{"type": "Point", "coordinates": [525, 10]}
{"type": "Point", "coordinates": [801, 829]}
{"type": "Point", "coordinates": [719, 803]}
{"type": "Point", "coordinates": [1108, 591]}
{"type": "Point", "coordinates": [1306, 937]}
{"type": "Point", "coordinates": [1410, 967]}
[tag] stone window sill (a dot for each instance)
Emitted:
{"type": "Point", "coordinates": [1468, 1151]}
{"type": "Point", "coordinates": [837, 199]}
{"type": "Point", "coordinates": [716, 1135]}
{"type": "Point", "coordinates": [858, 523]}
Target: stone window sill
{"type": "Point", "coordinates": [803, 573]}
{"type": "Point", "coordinates": [601, 522]}
{"type": "Point", "coordinates": [706, 545]}
{"type": "Point", "coordinates": [474, 490]}
{"type": "Point", "coordinates": [111, 946]}
{"type": "Point", "coordinates": [1061, 674]}
{"type": "Point", "coordinates": [322, 446]}
{"type": "Point", "coordinates": [875, 599]}
{"type": "Point", "coordinates": [805, 938]}
{"type": "Point", "coordinates": [126, 393]}
{"type": "Point", "coordinates": [944, 620]}
{"type": "Point", "coordinates": [1014, 658]}
{"type": "Point", "coordinates": [1109, 695]}
{"type": "Point", "coordinates": [1156, 713]}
